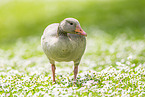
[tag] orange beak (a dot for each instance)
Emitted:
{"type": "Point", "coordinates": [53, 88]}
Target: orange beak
{"type": "Point", "coordinates": [80, 31]}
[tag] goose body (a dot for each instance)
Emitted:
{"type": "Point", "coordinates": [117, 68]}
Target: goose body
{"type": "Point", "coordinates": [60, 45]}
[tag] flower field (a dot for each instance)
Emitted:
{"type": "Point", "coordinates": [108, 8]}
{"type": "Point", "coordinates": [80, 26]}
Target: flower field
{"type": "Point", "coordinates": [114, 68]}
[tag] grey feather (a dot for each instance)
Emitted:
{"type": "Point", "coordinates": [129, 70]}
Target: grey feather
{"type": "Point", "coordinates": [60, 48]}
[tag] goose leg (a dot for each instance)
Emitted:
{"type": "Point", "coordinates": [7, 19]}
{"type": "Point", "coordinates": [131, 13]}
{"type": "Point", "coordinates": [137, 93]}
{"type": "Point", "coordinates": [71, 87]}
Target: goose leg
{"type": "Point", "coordinates": [53, 71]}
{"type": "Point", "coordinates": [75, 72]}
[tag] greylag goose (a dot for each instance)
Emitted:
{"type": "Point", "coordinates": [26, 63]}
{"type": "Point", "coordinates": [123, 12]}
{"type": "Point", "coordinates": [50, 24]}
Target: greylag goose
{"type": "Point", "coordinates": [64, 41]}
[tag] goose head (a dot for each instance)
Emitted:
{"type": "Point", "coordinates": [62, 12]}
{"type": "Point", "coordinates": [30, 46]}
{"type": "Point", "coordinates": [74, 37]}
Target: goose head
{"type": "Point", "coordinates": [71, 25]}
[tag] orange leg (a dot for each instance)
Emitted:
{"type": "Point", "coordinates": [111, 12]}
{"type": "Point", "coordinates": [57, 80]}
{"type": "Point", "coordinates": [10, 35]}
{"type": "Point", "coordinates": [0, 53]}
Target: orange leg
{"type": "Point", "coordinates": [53, 71]}
{"type": "Point", "coordinates": [75, 72]}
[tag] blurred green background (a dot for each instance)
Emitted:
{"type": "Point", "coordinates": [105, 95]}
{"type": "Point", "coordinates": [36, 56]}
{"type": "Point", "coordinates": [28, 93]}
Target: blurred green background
{"type": "Point", "coordinates": [20, 19]}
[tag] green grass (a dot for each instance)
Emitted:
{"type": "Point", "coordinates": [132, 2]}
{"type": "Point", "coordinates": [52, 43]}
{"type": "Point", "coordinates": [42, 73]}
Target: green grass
{"type": "Point", "coordinates": [110, 67]}
{"type": "Point", "coordinates": [22, 19]}
{"type": "Point", "coordinates": [113, 63]}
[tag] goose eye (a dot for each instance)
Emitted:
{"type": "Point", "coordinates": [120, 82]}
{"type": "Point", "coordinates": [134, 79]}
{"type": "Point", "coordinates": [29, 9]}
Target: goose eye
{"type": "Point", "coordinates": [71, 23]}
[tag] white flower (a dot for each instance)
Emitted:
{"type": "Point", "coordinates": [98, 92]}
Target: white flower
{"type": "Point", "coordinates": [118, 63]}
{"type": "Point", "coordinates": [129, 57]}
{"type": "Point", "coordinates": [128, 62]}
{"type": "Point", "coordinates": [132, 65]}
{"type": "Point", "coordinates": [46, 95]}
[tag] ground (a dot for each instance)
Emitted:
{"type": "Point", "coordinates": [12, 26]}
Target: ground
{"type": "Point", "coordinates": [109, 67]}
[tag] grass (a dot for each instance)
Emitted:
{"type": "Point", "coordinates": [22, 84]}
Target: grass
{"type": "Point", "coordinates": [113, 63]}
{"type": "Point", "coordinates": [110, 67]}
{"type": "Point", "coordinates": [22, 19]}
